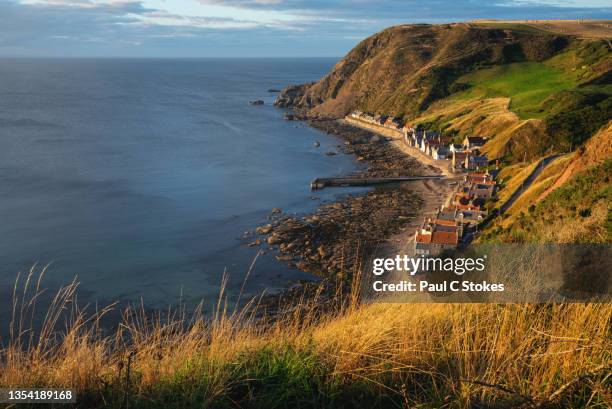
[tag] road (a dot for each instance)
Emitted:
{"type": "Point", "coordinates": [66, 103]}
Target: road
{"type": "Point", "coordinates": [532, 176]}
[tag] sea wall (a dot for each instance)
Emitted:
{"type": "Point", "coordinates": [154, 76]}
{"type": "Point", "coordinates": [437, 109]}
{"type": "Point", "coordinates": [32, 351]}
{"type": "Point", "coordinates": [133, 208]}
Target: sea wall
{"type": "Point", "coordinates": [392, 133]}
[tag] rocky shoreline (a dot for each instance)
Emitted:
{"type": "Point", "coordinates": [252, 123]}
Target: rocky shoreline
{"type": "Point", "coordinates": [337, 241]}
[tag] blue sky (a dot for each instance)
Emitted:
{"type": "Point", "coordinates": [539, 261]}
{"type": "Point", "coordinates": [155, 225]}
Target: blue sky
{"type": "Point", "coordinates": [240, 28]}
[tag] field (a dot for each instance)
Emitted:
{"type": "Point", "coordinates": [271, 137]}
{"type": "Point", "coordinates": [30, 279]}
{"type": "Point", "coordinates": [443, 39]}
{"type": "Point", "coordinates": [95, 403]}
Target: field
{"type": "Point", "coordinates": [527, 84]}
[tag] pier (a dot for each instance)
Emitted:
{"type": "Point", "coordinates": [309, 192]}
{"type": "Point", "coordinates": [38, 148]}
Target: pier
{"type": "Point", "coordinates": [320, 183]}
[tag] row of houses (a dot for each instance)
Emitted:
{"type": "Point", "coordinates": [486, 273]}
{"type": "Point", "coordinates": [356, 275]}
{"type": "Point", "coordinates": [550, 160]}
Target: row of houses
{"type": "Point", "coordinates": [462, 157]}
{"type": "Point", "coordinates": [380, 120]}
{"type": "Point", "coordinates": [454, 222]}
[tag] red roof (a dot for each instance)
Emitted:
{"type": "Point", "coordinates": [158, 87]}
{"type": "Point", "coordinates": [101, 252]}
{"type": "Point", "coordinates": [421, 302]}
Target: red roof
{"type": "Point", "coordinates": [443, 237]}
{"type": "Point", "coordinates": [445, 222]}
{"type": "Point", "coordinates": [477, 177]}
{"type": "Point", "coordinates": [423, 238]}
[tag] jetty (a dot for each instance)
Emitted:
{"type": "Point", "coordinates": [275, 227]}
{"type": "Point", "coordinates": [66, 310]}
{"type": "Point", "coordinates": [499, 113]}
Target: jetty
{"type": "Point", "coordinates": [320, 183]}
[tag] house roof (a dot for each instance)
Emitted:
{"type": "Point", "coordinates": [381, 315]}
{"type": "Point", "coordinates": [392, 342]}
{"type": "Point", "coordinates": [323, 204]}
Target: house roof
{"type": "Point", "coordinates": [460, 206]}
{"type": "Point", "coordinates": [478, 140]}
{"type": "Point", "coordinates": [445, 222]}
{"type": "Point", "coordinates": [423, 238]}
{"type": "Point", "coordinates": [443, 237]}
{"type": "Point", "coordinates": [478, 175]}
{"type": "Point", "coordinates": [479, 159]}
{"type": "Point", "coordinates": [484, 186]}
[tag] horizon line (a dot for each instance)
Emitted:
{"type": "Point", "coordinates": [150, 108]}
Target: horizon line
{"type": "Point", "coordinates": [119, 57]}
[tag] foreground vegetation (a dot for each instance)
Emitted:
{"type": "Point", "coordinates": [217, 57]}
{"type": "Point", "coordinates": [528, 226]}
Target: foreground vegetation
{"type": "Point", "coordinates": [358, 355]}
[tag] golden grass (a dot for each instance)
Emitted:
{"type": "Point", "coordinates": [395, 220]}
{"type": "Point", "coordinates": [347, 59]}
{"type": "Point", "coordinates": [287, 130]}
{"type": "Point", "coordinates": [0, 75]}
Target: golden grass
{"type": "Point", "coordinates": [580, 28]}
{"type": "Point", "coordinates": [452, 355]}
{"type": "Point", "coordinates": [543, 181]}
{"type": "Point", "coordinates": [512, 177]}
{"type": "Point", "coordinates": [490, 117]}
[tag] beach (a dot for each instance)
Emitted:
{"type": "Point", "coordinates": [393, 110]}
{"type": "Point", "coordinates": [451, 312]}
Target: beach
{"type": "Point", "coordinates": [339, 240]}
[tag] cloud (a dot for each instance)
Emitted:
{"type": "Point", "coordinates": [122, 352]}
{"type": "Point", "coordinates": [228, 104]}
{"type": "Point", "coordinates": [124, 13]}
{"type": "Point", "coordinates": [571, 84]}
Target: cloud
{"type": "Point", "coordinates": [237, 27]}
{"type": "Point", "coordinates": [431, 9]}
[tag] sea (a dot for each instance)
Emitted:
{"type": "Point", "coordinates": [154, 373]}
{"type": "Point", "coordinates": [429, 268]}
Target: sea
{"type": "Point", "coordinates": [138, 177]}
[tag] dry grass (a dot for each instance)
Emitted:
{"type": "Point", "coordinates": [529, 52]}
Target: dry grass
{"type": "Point", "coordinates": [580, 28]}
{"type": "Point", "coordinates": [374, 355]}
{"type": "Point", "coordinates": [543, 181]}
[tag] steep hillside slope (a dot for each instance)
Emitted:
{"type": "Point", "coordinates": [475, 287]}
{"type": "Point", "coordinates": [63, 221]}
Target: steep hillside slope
{"type": "Point", "coordinates": [403, 69]}
{"type": "Point", "coordinates": [532, 90]}
{"type": "Point", "coordinates": [571, 201]}
{"type": "Point", "coordinates": [577, 212]}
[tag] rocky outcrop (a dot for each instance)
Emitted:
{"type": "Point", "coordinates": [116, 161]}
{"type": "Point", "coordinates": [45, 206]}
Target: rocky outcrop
{"type": "Point", "coordinates": [339, 235]}
{"type": "Point", "coordinates": [292, 96]}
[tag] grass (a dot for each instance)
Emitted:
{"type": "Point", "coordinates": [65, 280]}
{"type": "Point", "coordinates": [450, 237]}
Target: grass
{"type": "Point", "coordinates": [577, 212]}
{"type": "Point", "coordinates": [527, 84]}
{"type": "Point", "coordinates": [520, 27]}
{"type": "Point", "coordinates": [510, 178]}
{"type": "Point", "coordinates": [580, 28]}
{"type": "Point", "coordinates": [529, 108]}
{"type": "Point", "coordinates": [374, 355]}
{"type": "Point", "coordinates": [544, 180]}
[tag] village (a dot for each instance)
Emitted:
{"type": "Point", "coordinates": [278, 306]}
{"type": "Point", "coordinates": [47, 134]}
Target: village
{"type": "Point", "coordinates": [456, 222]}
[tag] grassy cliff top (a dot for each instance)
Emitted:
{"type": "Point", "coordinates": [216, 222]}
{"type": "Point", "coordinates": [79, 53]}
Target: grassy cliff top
{"type": "Point", "coordinates": [579, 28]}
{"type": "Point", "coordinates": [536, 87]}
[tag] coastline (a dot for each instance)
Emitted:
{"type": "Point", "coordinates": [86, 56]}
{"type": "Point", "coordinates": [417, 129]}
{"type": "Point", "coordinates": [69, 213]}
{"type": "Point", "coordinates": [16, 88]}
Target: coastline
{"type": "Point", "coordinates": [336, 242]}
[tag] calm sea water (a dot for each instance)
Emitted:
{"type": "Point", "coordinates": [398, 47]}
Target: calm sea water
{"type": "Point", "coordinates": [140, 176]}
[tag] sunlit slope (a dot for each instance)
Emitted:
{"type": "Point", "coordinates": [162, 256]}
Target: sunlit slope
{"type": "Point", "coordinates": [535, 90]}
{"type": "Point", "coordinates": [529, 109]}
{"type": "Point", "coordinates": [579, 28]}
{"type": "Point", "coordinates": [569, 202]}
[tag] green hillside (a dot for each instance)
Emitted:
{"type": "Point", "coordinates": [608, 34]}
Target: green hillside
{"type": "Point", "coordinates": [530, 87]}
{"type": "Point", "coordinates": [528, 84]}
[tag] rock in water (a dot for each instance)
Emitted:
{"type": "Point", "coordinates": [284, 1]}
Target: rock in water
{"type": "Point", "coordinates": [256, 102]}
{"type": "Point", "coordinates": [274, 239]}
{"type": "Point", "coordinates": [317, 144]}
{"type": "Point", "coordinates": [264, 229]}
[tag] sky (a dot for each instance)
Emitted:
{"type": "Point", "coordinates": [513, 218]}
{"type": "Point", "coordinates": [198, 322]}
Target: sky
{"type": "Point", "coordinates": [241, 28]}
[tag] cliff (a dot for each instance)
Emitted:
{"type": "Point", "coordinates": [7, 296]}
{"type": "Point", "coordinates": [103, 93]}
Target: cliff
{"type": "Point", "coordinates": [533, 90]}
